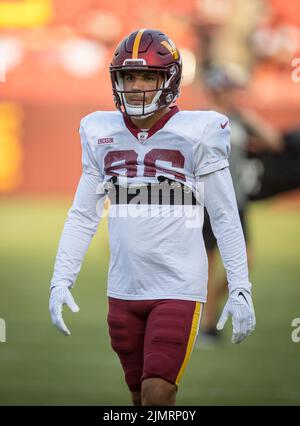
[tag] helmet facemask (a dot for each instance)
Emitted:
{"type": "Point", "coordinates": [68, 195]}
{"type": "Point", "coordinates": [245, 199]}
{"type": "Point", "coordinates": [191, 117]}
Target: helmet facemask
{"type": "Point", "coordinates": [164, 94]}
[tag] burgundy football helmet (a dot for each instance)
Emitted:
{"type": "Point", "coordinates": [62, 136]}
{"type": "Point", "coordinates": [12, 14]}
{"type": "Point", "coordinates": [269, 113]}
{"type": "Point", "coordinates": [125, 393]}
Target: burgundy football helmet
{"type": "Point", "coordinates": [146, 50]}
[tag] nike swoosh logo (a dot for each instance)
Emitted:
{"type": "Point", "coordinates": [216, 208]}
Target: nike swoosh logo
{"type": "Point", "coordinates": [224, 125]}
{"type": "Point", "coordinates": [241, 294]}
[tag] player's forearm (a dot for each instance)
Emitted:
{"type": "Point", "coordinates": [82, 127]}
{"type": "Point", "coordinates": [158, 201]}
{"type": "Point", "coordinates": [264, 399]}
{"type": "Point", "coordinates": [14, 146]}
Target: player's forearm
{"type": "Point", "coordinates": [223, 212]}
{"type": "Point", "coordinates": [232, 248]}
{"type": "Point", "coordinates": [73, 245]}
{"type": "Point", "coordinates": [79, 229]}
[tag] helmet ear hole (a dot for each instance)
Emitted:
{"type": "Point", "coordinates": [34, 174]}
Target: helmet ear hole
{"type": "Point", "coordinates": [169, 98]}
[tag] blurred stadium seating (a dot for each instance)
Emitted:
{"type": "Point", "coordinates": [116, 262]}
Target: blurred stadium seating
{"type": "Point", "coordinates": [56, 56]}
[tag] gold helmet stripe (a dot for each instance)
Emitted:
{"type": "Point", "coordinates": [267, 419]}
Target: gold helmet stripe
{"type": "Point", "coordinates": [136, 44]}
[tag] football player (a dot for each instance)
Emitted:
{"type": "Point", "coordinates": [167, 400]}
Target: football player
{"type": "Point", "coordinates": [157, 281]}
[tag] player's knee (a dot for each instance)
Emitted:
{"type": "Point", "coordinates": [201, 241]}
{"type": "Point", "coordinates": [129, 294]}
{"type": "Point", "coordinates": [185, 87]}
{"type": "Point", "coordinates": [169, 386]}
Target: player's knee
{"type": "Point", "coordinates": [136, 398]}
{"type": "Point", "coordinates": [133, 379]}
{"type": "Point", "coordinates": [157, 387]}
{"type": "Point", "coordinates": [157, 392]}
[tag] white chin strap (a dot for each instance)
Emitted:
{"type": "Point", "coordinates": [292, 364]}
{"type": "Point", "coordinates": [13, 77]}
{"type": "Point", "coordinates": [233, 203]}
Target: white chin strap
{"type": "Point", "coordinates": [137, 110]}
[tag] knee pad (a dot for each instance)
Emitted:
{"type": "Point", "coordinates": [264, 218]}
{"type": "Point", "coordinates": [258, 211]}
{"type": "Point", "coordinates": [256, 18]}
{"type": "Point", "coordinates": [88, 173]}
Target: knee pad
{"type": "Point", "coordinates": [157, 365]}
{"type": "Point", "coordinates": [119, 336]}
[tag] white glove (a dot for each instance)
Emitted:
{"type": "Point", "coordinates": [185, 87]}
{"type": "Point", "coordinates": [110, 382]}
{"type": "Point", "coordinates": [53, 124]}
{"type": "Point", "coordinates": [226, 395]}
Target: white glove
{"type": "Point", "coordinates": [61, 296]}
{"type": "Point", "coordinates": [239, 305]}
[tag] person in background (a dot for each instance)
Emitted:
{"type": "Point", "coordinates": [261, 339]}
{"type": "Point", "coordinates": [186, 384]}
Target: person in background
{"type": "Point", "coordinates": [246, 127]}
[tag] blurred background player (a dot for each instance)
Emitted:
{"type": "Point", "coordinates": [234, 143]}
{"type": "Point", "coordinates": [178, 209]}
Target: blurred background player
{"type": "Point", "coordinates": [263, 162]}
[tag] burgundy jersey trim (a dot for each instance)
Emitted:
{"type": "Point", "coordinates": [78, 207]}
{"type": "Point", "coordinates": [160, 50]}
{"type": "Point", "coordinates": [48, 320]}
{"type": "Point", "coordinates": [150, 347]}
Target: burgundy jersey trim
{"type": "Point", "coordinates": [157, 126]}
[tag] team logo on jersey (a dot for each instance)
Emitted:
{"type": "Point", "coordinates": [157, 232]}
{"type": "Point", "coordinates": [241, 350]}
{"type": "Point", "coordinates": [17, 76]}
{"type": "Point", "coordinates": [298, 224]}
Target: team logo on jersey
{"type": "Point", "coordinates": [142, 136]}
{"type": "Point", "coordinates": [102, 141]}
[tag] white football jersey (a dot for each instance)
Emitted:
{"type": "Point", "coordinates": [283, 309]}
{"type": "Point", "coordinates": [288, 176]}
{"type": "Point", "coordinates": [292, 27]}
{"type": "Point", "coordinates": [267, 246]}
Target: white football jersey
{"type": "Point", "coordinates": [158, 251]}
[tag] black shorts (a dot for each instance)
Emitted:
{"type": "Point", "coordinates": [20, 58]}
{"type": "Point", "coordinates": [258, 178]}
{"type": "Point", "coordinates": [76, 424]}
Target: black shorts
{"type": "Point", "coordinates": [208, 235]}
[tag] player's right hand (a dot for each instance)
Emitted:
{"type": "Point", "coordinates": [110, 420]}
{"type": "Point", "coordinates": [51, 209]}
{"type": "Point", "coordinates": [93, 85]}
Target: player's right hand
{"type": "Point", "coordinates": [61, 296]}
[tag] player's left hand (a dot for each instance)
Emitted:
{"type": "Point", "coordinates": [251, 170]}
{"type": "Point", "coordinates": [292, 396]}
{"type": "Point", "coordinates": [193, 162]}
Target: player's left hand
{"type": "Point", "coordinates": [239, 305]}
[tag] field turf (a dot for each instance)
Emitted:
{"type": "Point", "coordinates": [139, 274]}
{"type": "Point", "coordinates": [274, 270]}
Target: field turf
{"type": "Point", "coordinates": [39, 366]}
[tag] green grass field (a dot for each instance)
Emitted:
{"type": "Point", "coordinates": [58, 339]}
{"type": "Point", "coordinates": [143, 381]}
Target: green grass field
{"type": "Point", "coordinates": [39, 366]}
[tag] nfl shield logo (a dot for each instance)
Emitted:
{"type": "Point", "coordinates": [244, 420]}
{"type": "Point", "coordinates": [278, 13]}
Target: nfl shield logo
{"type": "Point", "coordinates": [142, 136]}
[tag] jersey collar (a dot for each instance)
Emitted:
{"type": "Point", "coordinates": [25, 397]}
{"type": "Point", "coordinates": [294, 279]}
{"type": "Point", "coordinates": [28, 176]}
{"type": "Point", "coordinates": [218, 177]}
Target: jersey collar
{"type": "Point", "coordinates": [157, 126]}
